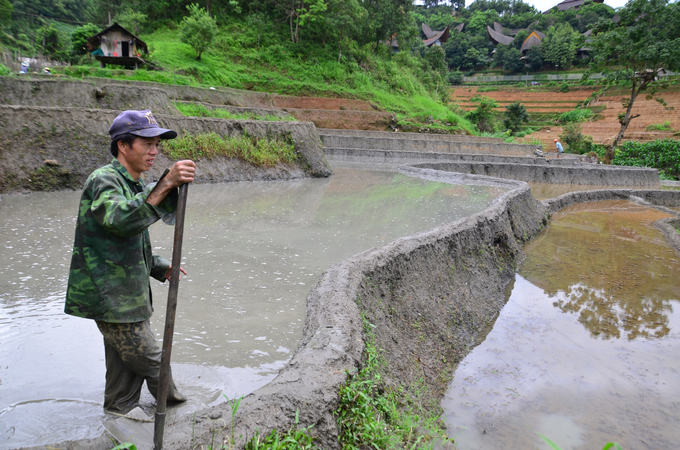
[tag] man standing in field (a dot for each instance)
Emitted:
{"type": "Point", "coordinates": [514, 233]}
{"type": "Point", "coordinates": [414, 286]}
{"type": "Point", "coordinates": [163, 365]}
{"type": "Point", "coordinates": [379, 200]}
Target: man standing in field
{"type": "Point", "coordinates": [558, 148]}
{"type": "Point", "coordinates": [112, 260]}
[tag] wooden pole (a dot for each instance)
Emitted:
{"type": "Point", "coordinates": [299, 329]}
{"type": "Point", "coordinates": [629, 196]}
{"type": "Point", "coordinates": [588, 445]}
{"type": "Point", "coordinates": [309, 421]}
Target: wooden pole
{"type": "Point", "coordinates": [162, 396]}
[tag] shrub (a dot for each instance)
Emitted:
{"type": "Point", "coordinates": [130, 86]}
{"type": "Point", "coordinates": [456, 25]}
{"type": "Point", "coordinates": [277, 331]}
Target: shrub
{"type": "Point", "coordinates": [483, 115]}
{"type": "Point", "coordinates": [515, 115]}
{"type": "Point", "coordinates": [666, 126]}
{"type": "Point", "coordinates": [662, 154]}
{"type": "Point", "coordinates": [4, 70]}
{"type": "Point", "coordinates": [575, 115]}
{"type": "Point", "coordinates": [456, 77]}
{"type": "Point", "coordinates": [576, 141]}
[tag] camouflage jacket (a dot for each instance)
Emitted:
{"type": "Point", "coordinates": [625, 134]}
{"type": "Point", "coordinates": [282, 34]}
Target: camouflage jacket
{"type": "Point", "coordinates": [112, 260]}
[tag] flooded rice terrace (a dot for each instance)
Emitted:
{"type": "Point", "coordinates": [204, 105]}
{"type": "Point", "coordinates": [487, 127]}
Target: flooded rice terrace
{"type": "Point", "coordinates": [586, 350]}
{"type": "Point", "coordinates": [252, 250]}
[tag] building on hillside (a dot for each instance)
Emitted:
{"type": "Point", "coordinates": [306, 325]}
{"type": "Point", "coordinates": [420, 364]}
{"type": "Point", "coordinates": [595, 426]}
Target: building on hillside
{"type": "Point", "coordinates": [435, 37]}
{"type": "Point", "coordinates": [116, 45]}
{"type": "Point", "coordinates": [498, 37]}
{"type": "Point", "coordinates": [534, 39]}
{"type": "Point", "coordinates": [571, 4]}
{"type": "Point", "coordinates": [393, 43]}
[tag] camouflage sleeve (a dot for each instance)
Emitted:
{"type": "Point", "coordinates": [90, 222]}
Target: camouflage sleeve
{"type": "Point", "coordinates": [166, 209]}
{"type": "Point", "coordinates": [159, 267]}
{"type": "Point", "coordinates": [116, 213]}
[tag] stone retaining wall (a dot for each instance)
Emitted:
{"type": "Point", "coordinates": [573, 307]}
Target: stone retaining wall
{"type": "Point", "coordinates": [83, 94]}
{"type": "Point", "coordinates": [584, 174]}
{"type": "Point", "coordinates": [417, 136]}
{"type": "Point", "coordinates": [426, 145]}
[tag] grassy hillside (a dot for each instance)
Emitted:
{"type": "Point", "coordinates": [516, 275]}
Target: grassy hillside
{"type": "Point", "coordinates": [402, 83]}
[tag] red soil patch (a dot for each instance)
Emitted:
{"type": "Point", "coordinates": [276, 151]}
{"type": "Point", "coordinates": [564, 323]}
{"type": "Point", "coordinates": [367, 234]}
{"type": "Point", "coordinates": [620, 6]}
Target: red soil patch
{"type": "Point", "coordinates": [341, 104]}
{"type": "Point", "coordinates": [343, 120]}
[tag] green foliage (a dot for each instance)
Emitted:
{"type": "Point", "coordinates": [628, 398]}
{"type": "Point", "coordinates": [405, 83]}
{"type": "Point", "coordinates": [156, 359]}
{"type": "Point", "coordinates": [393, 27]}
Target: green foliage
{"type": "Point", "coordinates": [4, 70]}
{"type": "Point", "coordinates": [456, 77]}
{"type": "Point", "coordinates": [666, 126]}
{"type": "Point", "coordinates": [662, 154]}
{"type": "Point", "coordinates": [373, 415]}
{"type": "Point", "coordinates": [6, 9]}
{"type": "Point", "coordinates": [559, 46]}
{"type": "Point", "coordinates": [198, 29]}
{"type": "Point", "coordinates": [508, 58]}
{"type": "Point", "coordinates": [577, 142]}
{"type": "Point", "coordinates": [515, 116]}
{"type": "Point", "coordinates": [79, 38]}
{"type": "Point", "coordinates": [125, 446]}
{"type": "Point", "coordinates": [294, 439]}
{"type": "Point", "coordinates": [576, 115]}
{"type": "Point", "coordinates": [51, 42]}
{"type": "Point", "coordinates": [534, 58]}
{"type": "Point", "coordinates": [260, 152]}
{"type": "Point", "coordinates": [435, 57]}
{"type": "Point", "coordinates": [131, 19]}
{"type": "Point", "coordinates": [483, 116]}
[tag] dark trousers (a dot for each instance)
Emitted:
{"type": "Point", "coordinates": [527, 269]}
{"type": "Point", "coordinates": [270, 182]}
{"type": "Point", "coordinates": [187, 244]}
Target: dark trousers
{"type": "Point", "coordinates": [132, 356]}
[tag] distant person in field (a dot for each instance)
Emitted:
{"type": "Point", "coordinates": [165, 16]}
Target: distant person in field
{"type": "Point", "coordinates": [558, 148]}
{"type": "Point", "coordinates": [112, 259]}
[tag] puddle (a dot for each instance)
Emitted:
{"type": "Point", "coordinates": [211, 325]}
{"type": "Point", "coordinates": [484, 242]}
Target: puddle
{"type": "Point", "coordinates": [253, 251]}
{"type": "Point", "coordinates": [586, 351]}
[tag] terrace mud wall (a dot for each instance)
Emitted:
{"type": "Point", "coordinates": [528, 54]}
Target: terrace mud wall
{"type": "Point", "coordinates": [43, 148]}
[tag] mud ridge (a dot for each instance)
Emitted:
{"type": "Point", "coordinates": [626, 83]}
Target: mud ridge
{"type": "Point", "coordinates": [52, 148]}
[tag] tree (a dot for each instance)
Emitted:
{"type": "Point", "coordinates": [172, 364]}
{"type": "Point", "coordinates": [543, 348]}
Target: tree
{"type": "Point", "coordinates": [435, 57]}
{"type": "Point", "coordinates": [645, 40]}
{"type": "Point", "coordinates": [51, 42]}
{"type": "Point", "coordinates": [5, 12]}
{"type": "Point", "coordinates": [508, 58]}
{"type": "Point", "coordinates": [515, 115]}
{"type": "Point", "coordinates": [131, 18]}
{"type": "Point", "coordinates": [559, 46]}
{"type": "Point", "coordinates": [79, 38]}
{"type": "Point", "coordinates": [534, 58]}
{"type": "Point", "coordinates": [483, 115]}
{"type": "Point", "coordinates": [198, 29]}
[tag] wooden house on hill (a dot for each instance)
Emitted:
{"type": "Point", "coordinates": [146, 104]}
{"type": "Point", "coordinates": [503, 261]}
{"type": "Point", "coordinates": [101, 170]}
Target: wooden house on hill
{"type": "Point", "coordinates": [116, 45]}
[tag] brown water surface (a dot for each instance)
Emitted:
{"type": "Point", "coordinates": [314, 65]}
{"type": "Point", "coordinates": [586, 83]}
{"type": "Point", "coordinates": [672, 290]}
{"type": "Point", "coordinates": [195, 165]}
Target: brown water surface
{"type": "Point", "coordinates": [587, 349]}
{"type": "Point", "coordinates": [252, 250]}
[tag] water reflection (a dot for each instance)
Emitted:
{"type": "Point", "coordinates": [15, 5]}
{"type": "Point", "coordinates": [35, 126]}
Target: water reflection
{"type": "Point", "coordinates": [586, 350]}
{"type": "Point", "coordinates": [607, 264]}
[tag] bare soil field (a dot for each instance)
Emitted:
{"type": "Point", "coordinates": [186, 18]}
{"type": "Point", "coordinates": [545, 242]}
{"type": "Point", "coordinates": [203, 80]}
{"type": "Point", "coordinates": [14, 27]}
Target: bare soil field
{"type": "Point", "coordinates": [604, 130]}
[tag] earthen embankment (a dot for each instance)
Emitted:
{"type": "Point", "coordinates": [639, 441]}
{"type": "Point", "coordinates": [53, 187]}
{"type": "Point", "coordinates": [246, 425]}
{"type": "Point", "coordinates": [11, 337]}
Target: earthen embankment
{"type": "Point", "coordinates": [48, 148]}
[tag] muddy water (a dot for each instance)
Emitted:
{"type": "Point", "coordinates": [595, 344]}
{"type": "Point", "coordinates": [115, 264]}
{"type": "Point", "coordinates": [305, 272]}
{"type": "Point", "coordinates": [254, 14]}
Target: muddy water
{"type": "Point", "coordinates": [252, 250]}
{"type": "Point", "coordinates": [587, 349]}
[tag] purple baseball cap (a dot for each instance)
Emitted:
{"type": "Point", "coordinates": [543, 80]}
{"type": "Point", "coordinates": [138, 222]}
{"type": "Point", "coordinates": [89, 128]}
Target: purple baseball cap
{"type": "Point", "coordinates": [139, 123]}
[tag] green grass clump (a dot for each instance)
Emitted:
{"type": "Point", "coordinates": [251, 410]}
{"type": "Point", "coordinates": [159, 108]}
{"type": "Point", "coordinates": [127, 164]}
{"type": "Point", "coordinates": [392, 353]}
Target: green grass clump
{"type": "Point", "coordinates": [666, 126]}
{"type": "Point", "coordinates": [198, 110]}
{"type": "Point", "coordinates": [257, 151]}
{"type": "Point", "coordinates": [373, 415]}
{"type": "Point", "coordinates": [662, 154]}
{"type": "Point", "coordinates": [293, 439]}
{"type": "Point", "coordinates": [576, 115]}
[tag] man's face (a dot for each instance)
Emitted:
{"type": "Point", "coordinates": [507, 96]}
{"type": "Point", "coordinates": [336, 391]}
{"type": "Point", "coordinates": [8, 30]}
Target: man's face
{"type": "Point", "coordinates": [140, 156]}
